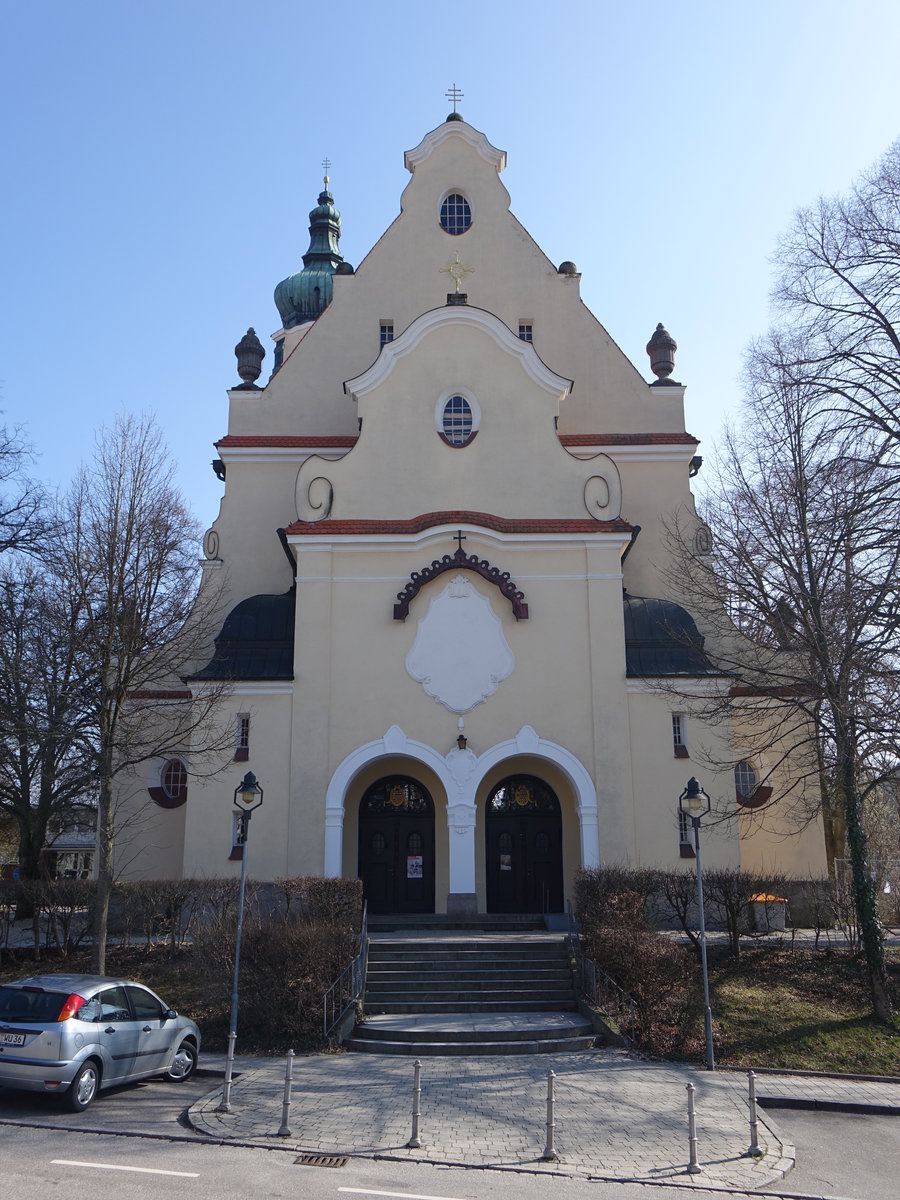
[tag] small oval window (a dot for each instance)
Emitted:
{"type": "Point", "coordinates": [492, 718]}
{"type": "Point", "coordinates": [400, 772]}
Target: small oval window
{"type": "Point", "coordinates": [456, 215]}
{"type": "Point", "coordinates": [744, 779]}
{"type": "Point", "coordinates": [457, 420]}
{"type": "Point", "coordinates": [174, 779]}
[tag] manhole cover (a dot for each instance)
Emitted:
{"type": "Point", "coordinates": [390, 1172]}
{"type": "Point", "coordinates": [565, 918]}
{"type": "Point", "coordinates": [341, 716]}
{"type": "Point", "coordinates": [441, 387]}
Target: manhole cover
{"type": "Point", "coordinates": [322, 1160]}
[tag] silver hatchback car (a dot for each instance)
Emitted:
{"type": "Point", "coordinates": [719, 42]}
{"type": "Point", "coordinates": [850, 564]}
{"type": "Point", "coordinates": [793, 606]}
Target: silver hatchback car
{"type": "Point", "coordinates": [75, 1034]}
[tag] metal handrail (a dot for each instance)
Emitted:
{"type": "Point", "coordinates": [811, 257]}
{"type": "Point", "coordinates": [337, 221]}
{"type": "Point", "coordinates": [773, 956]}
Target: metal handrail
{"type": "Point", "coordinates": [599, 988]}
{"type": "Point", "coordinates": [348, 986]}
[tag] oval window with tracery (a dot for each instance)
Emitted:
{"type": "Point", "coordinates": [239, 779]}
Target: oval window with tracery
{"type": "Point", "coordinates": [378, 843]}
{"type": "Point", "coordinates": [744, 779]}
{"type": "Point", "coordinates": [174, 778]}
{"type": "Point", "coordinates": [456, 215]}
{"type": "Point", "coordinates": [457, 420]}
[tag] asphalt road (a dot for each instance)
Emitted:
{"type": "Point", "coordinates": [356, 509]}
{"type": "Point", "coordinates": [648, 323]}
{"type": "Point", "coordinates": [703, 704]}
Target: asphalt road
{"type": "Point", "coordinates": [842, 1154]}
{"type": "Point", "coordinates": [37, 1163]}
{"type": "Point", "coordinates": [132, 1135]}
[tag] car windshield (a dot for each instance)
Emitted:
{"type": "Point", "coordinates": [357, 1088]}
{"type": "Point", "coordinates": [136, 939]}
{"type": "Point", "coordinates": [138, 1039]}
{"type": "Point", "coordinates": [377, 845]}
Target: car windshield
{"type": "Point", "coordinates": [21, 1006]}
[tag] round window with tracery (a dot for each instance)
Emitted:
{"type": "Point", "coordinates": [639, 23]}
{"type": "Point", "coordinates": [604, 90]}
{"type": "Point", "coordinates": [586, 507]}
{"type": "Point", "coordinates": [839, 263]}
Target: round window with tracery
{"type": "Point", "coordinates": [169, 788]}
{"type": "Point", "coordinates": [456, 215]}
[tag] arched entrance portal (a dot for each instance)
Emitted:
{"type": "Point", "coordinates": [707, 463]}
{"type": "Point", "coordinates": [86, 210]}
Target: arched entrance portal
{"type": "Point", "coordinates": [523, 842]}
{"type": "Point", "coordinates": [396, 846]}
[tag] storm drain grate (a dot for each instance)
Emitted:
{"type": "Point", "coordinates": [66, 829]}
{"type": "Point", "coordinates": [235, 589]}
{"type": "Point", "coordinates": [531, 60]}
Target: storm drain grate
{"type": "Point", "coordinates": [322, 1160]}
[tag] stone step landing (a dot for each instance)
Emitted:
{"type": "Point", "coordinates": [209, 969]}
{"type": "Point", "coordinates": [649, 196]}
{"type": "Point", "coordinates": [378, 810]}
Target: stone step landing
{"type": "Point", "coordinates": [420, 1035]}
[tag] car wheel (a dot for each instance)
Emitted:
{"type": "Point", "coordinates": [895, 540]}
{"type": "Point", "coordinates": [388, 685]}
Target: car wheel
{"type": "Point", "coordinates": [84, 1087]}
{"type": "Point", "coordinates": [183, 1064]}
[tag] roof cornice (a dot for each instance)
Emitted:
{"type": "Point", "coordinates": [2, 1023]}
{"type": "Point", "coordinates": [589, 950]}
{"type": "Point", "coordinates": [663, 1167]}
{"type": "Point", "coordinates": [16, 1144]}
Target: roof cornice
{"type": "Point", "coordinates": [457, 518]}
{"type": "Point", "coordinates": [455, 129]}
{"type": "Point", "coordinates": [462, 314]}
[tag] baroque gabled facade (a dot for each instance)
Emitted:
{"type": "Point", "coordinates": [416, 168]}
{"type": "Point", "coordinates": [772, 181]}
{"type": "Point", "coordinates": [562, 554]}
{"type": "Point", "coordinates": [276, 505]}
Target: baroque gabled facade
{"type": "Point", "coordinates": [440, 552]}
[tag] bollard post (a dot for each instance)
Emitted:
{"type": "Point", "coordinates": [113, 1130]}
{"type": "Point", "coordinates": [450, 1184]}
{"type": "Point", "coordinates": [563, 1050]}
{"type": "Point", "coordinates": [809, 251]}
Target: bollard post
{"type": "Point", "coordinates": [415, 1142]}
{"type": "Point", "coordinates": [754, 1150]}
{"type": "Point", "coordinates": [285, 1131]}
{"type": "Point", "coordinates": [693, 1166]}
{"type": "Point", "coordinates": [550, 1154]}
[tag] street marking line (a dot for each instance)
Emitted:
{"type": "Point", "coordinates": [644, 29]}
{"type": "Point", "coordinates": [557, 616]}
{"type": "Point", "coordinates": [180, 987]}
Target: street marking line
{"type": "Point", "coordinates": [401, 1195]}
{"type": "Point", "coordinates": [71, 1162]}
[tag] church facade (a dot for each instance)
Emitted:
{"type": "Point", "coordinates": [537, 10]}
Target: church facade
{"type": "Point", "coordinates": [445, 625]}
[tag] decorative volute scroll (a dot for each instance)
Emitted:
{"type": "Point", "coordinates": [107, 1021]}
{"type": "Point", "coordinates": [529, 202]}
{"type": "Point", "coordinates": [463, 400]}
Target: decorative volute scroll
{"type": "Point", "coordinates": [603, 490]}
{"type": "Point", "coordinates": [211, 543]}
{"type": "Point", "coordinates": [314, 500]}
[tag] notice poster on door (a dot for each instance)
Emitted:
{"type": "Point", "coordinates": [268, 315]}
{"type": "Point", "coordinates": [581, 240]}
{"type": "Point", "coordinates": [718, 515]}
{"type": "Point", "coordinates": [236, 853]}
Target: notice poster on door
{"type": "Point", "coordinates": [505, 862]}
{"type": "Point", "coordinates": [414, 866]}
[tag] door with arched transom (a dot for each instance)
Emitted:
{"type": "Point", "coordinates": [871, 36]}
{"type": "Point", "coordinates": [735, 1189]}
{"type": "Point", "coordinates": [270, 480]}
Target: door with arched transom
{"type": "Point", "coordinates": [396, 846]}
{"type": "Point", "coordinates": [523, 847]}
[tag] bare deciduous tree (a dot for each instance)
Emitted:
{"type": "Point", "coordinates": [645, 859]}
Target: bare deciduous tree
{"type": "Point", "coordinates": [45, 752]}
{"type": "Point", "coordinates": [131, 546]}
{"type": "Point", "coordinates": [23, 523]}
{"type": "Point", "coordinates": [839, 290]}
{"type": "Point", "coordinates": [806, 515]}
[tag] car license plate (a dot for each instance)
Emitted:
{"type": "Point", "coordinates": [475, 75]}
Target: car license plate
{"type": "Point", "coordinates": [12, 1039]}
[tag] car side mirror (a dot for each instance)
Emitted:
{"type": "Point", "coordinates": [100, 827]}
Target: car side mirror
{"type": "Point", "coordinates": [170, 1014]}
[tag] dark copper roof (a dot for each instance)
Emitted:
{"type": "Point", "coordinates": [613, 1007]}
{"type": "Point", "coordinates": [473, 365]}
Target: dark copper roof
{"type": "Point", "coordinates": [257, 640]}
{"type": "Point", "coordinates": [661, 638]}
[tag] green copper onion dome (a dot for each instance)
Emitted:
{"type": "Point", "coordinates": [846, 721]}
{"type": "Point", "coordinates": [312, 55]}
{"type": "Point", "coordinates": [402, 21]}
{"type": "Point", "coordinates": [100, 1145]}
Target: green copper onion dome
{"type": "Point", "coordinates": [303, 296]}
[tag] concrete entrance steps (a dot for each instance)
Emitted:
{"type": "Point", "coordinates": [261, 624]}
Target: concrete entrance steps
{"type": "Point", "coordinates": [491, 991]}
{"type": "Point", "coordinates": [440, 922]}
{"type": "Point", "coordinates": [481, 1033]}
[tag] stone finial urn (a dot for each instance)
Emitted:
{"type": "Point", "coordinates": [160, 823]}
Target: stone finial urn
{"type": "Point", "coordinates": [661, 348]}
{"type": "Point", "coordinates": [250, 353]}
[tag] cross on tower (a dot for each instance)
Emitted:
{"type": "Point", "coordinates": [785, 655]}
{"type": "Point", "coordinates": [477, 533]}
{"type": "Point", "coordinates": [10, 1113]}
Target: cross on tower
{"type": "Point", "coordinates": [326, 163]}
{"type": "Point", "coordinates": [460, 538]}
{"type": "Point", "coordinates": [454, 94]}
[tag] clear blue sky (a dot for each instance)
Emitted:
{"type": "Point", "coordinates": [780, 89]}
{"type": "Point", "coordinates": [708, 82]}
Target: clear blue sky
{"type": "Point", "coordinates": [161, 159]}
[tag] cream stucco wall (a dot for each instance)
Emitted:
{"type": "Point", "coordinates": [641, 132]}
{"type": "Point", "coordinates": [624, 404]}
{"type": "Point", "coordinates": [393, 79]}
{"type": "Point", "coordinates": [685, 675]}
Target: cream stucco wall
{"type": "Point", "coordinates": [364, 515]}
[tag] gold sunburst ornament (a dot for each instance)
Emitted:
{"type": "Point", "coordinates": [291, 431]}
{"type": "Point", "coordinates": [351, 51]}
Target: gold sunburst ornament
{"type": "Point", "coordinates": [397, 797]}
{"type": "Point", "coordinates": [457, 271]}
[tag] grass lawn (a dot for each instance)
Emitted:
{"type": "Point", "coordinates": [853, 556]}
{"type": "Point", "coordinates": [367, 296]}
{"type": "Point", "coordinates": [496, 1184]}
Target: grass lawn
{"type": "Point", "coordinates": [806, 1010]}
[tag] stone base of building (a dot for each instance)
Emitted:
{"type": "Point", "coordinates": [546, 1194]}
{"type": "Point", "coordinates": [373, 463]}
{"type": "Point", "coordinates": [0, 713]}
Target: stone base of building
{"type": "Point", "coordinates": [462, 904]}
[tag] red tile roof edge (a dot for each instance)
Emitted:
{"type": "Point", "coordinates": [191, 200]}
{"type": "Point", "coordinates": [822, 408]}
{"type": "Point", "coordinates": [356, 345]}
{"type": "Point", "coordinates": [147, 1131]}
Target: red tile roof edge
{"type": "Point", "coordinates": [262, 441]}
{"type": "Point", "coordinates": [628, 439]}
{"type": "Point", "coordinates": [160, 694]}
{"type": "Point", "coordinates": [289, 441]}
{"type": "Point", "coordinates": [462, 517]}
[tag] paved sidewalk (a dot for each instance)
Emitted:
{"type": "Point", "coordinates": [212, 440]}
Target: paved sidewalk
{"type": "Point", "coordinates": [616, 1117]}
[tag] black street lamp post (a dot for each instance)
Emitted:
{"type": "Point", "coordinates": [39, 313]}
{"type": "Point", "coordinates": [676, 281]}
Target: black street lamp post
{"type": "Point", "coordinates": [248, 795]}
{"type": "Point", "coordinates": [695, 803]}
